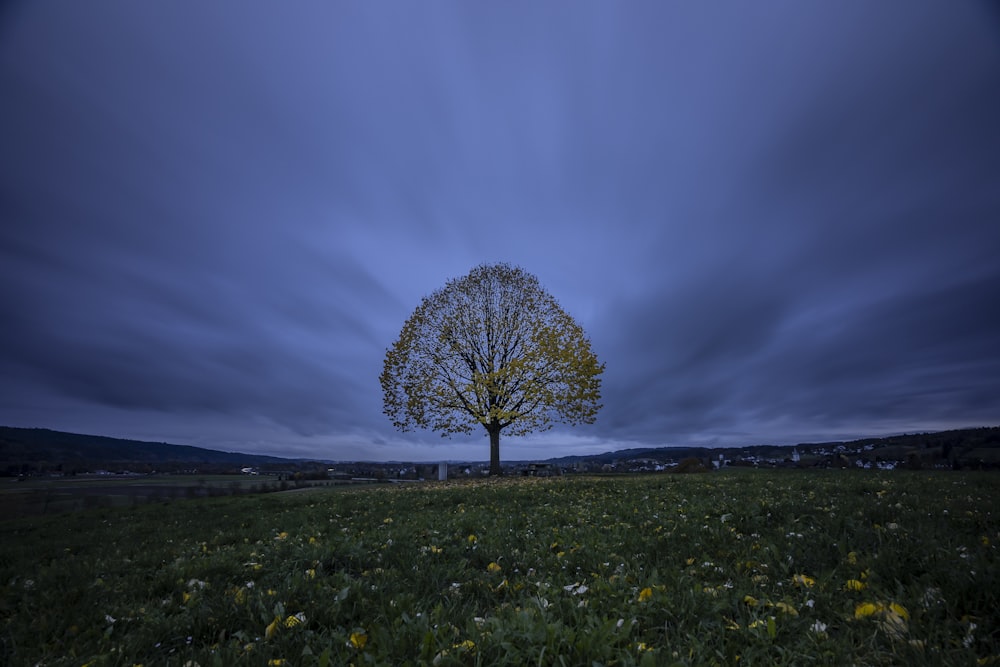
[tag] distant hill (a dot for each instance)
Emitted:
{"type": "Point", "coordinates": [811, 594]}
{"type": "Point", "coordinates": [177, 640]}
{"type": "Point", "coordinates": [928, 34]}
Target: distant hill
{"type": "Point", "coordinates": [42, 448]}
{"type": "Point", "coordinates": [969, 444]}
{"type": "Point", "coordinates": [32, 450]}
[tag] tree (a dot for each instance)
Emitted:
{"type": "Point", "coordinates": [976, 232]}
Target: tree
{"type": "Point", "coordinates": [494, 349]}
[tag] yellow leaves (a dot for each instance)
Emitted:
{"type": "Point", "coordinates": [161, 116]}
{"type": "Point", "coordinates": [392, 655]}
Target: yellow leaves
{"type": "Point", "coordinates": [892, 617]}
{"type": "Point", "coordinates": [646, 594]}
{"type": "Point", "coordinates": [276, 662]}
{"type": "Point", "coordinates": [852, 558]}
{"type": "Point", "coordinates": [358, 640]}
{"type": "Point", "coordinates": [295, 620]}
{"type": "Point", "coordinates": [803, 581]}
{"type": "Point", "coordinates": [493, 567]}
{"type": "Point", "coordinates": [785, 608]}
{"type": "Point", "coordinates": [272, 628]}
{"type": "Point", "coordinates": [855, 585]}
{"type": "Point", "coordinates": [750, 601]}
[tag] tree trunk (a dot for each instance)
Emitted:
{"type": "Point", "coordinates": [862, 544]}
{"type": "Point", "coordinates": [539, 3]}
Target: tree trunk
{"type": "Point", "coordinates": [494, 431]}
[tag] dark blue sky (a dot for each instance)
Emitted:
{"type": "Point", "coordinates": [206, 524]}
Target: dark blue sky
{"type": "Point", "coordinates": [778, 221]}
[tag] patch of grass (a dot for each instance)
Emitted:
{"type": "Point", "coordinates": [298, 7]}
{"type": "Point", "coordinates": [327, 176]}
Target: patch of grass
{"type": "Point", "coordinates": [752, 567]}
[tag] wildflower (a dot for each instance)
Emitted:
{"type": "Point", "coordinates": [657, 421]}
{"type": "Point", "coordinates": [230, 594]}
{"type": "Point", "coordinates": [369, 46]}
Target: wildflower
{"type": "Point", "coordinates": [852, 558]}
{"type": "Point", "coordinates": [467, 645]}
{"type": "Point", "coordinates": [819, 628]}
{"type": "Point", "coordinates": [472, 539]}
{"type": "Point", "coordinates": [855, 585]}
{"type": "Point", "coordinates": [503, 584]}
{"type": "Point", "coordinates": [436, 550]}
{"type": "Point", "coordinates": [750, 601]}
{"type": "Point", "coordinates": [311, 573]}
{"type": "Point", "coordinates": [276, 662]}
{"type": "Point", "coordinates": [281, 536]}
{"type": "Point", "coordinates": [358, 640]}
{"type": "Point", "coordinates": [312, 540]}
{"type": "Point", "coordinates": [645, 594]}
{"type": "Point", "coordinates": [803, 581]}
{"type": "Point", "coordinates": [297, 619]}
{"type": "Point", "coordinates": [494, 567]}
{"type": "Point", "coordinates": [387, 520]}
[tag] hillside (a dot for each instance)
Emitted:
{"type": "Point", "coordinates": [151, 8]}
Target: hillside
{"type": "Point", "coordinates": [979, 447]}
{"type": "Point", "coordinates": [37, 448]}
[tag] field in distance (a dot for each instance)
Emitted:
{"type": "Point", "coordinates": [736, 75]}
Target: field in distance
{"type": "Point", "coordinates": [748, 566]}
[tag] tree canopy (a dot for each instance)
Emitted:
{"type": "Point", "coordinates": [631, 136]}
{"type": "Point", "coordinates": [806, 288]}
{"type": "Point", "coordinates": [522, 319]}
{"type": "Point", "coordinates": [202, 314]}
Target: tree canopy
{"type": "Point", "coordinates": [493, 349]}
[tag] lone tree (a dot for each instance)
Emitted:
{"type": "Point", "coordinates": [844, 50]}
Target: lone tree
{"type": "Point", "coordinates": [494, 349]}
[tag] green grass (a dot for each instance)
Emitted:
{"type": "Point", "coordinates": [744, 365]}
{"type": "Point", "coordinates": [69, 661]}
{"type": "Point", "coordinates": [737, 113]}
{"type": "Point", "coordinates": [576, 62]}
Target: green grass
{"type": "Point", "coordinates": [737, 567]}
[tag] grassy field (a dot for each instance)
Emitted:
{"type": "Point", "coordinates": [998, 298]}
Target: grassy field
{"type": "Point", "coordinates": [45, 495]}
{"type": "Point", "coordinates": [736, 567]}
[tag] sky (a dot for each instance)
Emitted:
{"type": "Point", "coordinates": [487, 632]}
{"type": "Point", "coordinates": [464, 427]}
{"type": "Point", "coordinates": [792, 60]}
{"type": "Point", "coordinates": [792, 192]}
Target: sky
{"type": "Point", "coordinates": [778, 222]}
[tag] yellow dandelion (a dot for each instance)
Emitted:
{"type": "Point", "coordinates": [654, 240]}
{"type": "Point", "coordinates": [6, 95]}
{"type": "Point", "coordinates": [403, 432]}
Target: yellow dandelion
{"type": "Point", "coordinates": [494, 567]}
{"type": "Point", "coordinates": [358, 640]}
{"type": "Point", "coordinates": [855, 585]}
{"type": "Point", "coordinates": [803, 580]}
{"type": "Point", "coordinates": [312, 540]}
{"type": "Point", "coordinates": [185, 597]}
{"type": "Point", "coordinates": [645, 594]}
{"type": "Point", "coordinates": [472, 539]}
{"type": "Point", "coordinates": [281, 536]}
{"type": "Point", "coordinates": [690, 561]}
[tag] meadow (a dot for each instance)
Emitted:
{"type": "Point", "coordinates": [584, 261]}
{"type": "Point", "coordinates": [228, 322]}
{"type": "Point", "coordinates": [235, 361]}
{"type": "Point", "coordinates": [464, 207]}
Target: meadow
{"type": "Point", "coordinates": [747, 567]}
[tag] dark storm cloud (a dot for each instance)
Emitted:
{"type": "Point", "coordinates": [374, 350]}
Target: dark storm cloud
{"type": "Point", "coordinates": [775, 222]}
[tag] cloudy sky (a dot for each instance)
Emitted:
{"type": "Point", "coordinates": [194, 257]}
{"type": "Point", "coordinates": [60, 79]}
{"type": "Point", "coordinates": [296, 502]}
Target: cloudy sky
{"type": "Point", "coordinates": [777, 221]}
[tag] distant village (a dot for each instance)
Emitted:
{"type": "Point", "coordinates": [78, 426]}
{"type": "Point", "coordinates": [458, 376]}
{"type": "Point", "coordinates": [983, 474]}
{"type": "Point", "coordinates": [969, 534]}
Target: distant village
{"type": "Point", "coordinates": [841, 456]}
